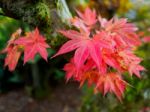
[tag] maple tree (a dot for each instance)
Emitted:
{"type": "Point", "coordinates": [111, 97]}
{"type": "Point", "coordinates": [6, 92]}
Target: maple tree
{"type": "Point", "coordinates": [101, 47]}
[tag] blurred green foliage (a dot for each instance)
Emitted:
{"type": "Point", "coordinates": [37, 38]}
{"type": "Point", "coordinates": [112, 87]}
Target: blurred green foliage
{"type": "Point", "coordinates": [7, 27]}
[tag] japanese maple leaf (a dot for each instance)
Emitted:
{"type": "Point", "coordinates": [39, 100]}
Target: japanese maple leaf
{"type": "Point", "coordinates": [135, 68]}
{"type": "Point", "coordinates": [112, 59]}
{"type": "Point", "coordinates": [84, 46]}
{"type": "Point", "coordinates": [78, 23]}
{"type": "Point", "coordinates": [13, 51]}
{"type": "Point", "coordinates": [78, 74]}
{"type": "Point", "coordinates": [12, 57]}
{"type": "Point", "coordinates": [88, 17]}
{"type": "Point", "coordinates": [117, 25]}
{"type": "Point", "coordinates": [85, 21]}
{"type": "Point", "coordinates": [104, 40]}
{"type": "Point", "coordinates": [125, 31]}
{"type": "Point", "coordinates": [128, 56]}
{"type": "Point", "coordinates": [111, 82]}
{"type": "Point", "coordinates": [90, 76]}
{"type": "Point", "coordinates": [72, 72]}
{"type": "Point", "coordinates": [33, 43]}
{"type": "Point", "coordinates": [131, 62]}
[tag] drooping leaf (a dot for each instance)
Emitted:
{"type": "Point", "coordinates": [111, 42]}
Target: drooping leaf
{"type": "Point", "coordinates": [13, 51]}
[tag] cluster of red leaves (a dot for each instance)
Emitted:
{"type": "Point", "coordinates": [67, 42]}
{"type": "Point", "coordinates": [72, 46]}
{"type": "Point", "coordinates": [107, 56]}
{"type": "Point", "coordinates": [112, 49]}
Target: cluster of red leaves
{"type": "Point", "coordinates": [100, 46]}
{"type": "Point", "coordinates": [31, 44]}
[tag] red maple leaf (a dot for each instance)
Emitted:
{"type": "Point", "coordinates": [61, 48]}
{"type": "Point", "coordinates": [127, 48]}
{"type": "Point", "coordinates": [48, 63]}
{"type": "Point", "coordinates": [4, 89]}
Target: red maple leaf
{"type": "Point", "coordinates": [13, 51]}
{"type": "Point", "coordinates": [124, 31]}
{"type": "Point", "coordinates": [33, 43]}
{"type": "Point", "coordinates": [135, 68]}
{"type": "Point", "coordinates": [85, 21]}
{"type": "Point", "coordinates": [90, 76]}
{"type": "Point", "coordinates": [72, 71]}
{"type": "Point", "coordinates": [88, 16]}
{"type": "Point", "coordinates": [85, 47]}
{"type": "Point", "coordinates": [111, 82]}
{"type": "Point", "coordinates": [13, 55]}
